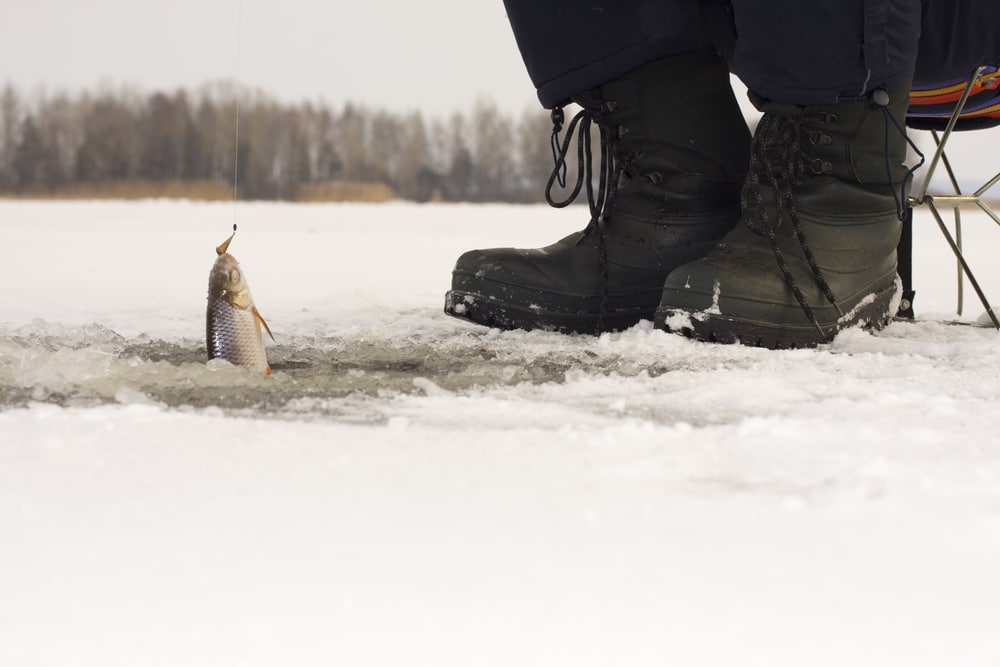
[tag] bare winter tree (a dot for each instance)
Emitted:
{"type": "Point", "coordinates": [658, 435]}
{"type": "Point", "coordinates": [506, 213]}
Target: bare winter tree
{"type": "Point", "coordinates": [31, 160]}
{"type": "Point", "coordinates": [10, 119]}
{"type": "Point", "coordinates": [352, 137]}
{"type": "Point", "coordinates": [164, 126]}
{"type": "Point", "coordinates": [492, 139]}
{"type": "Point", "coordinates": [59, 122]}
{"type": "Point", "coordinates": [329, 163]}
{"type": "Point", "coordinates": [415, 179]}
{"type": "Point", "coordinates": [534, 155]}
{"type": "Point", "coordinates": [110, 148]}
{"type": "Point", "coordinates": [460, 178]}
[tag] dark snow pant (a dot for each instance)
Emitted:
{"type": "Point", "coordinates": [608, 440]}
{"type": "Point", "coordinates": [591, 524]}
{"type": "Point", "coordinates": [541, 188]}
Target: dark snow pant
{"type": "Point", "coordinates": [787, 51]}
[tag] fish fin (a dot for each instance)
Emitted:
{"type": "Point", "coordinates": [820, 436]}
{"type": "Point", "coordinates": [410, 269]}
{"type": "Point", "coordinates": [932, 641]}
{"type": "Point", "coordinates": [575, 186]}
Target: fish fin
{"type": "Point", "coordinates": [260, 318]}
{"type": "Point", "coordinates": [225, 244]}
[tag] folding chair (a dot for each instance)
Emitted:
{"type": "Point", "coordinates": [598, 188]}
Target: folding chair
{"type": "Point", "coordinates": [966, 104]}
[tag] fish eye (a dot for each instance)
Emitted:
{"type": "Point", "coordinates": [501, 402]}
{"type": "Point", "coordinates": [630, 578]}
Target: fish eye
{"type": "Point", "coordinates": [234, 276]}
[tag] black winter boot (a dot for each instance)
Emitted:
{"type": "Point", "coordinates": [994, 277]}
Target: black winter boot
{"type": "Point", "coordinates": [675, 149]}
{"type": "Point", "coordinates": [817, 250]}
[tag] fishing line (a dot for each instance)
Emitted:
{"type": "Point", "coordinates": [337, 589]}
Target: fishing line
{"type": "Point", "coordinates": [236, 147]}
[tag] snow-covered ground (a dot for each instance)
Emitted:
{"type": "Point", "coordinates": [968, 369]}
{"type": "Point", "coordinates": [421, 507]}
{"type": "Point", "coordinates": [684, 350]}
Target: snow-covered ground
{"type": "Point", "coordinates": [411, 489]}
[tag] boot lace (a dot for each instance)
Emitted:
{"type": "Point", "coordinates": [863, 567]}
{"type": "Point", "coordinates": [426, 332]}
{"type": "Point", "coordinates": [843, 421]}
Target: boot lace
{"type": "Point", "coordinates": [777, 163]}
{"type": "Point", "coordinates": [601, 201]}
{"type": "Point", "coordinates": [889, 123]}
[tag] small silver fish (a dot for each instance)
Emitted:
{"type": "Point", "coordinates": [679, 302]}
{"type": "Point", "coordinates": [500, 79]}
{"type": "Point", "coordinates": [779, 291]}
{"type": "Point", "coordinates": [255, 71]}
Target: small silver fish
{"type": "Point", "coordinates": [233, 323]}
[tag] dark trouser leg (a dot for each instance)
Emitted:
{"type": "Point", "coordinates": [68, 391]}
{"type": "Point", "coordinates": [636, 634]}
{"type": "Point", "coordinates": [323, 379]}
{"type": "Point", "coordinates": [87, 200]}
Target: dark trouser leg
{"type": "Point", "coordinates": [789, 51]}
{"type": "Point", "coordinates": [569, 47]}
{"type": "Point", "coordinates": [957, 37]}
{"type": "Point", "coordinates": [796, 52]}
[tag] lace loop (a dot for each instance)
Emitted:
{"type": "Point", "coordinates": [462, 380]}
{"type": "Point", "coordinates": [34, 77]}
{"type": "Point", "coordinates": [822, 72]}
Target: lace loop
{"type": "Point", "coordinates": [557, 118]}
{"type": "Point", "coordinates": [898, 195]}
{"type": "Point", "coordinates": [600, 202]}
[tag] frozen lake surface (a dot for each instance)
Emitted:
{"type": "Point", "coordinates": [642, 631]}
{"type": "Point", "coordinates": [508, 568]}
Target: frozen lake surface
{"type": "Point", "coordinates": [411, 489]}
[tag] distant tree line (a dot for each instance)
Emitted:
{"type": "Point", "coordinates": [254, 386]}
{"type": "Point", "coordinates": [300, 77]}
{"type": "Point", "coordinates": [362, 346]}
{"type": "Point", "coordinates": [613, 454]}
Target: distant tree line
{"type": "Point", "coordinates": [58, 142]}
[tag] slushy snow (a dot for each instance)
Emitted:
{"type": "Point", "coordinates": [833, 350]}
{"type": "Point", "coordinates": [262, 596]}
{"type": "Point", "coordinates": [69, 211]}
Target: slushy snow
{"type": "Point", "coordinates": [411, 489]}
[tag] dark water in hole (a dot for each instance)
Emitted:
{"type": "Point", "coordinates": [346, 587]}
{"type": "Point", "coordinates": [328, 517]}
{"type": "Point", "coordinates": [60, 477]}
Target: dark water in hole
{"type": "Point", "coordinates": [94, 365]}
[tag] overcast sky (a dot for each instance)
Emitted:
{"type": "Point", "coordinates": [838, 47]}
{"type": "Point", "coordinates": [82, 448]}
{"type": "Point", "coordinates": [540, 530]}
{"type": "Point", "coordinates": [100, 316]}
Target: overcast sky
{"type": "Point", "coordinates": [434, 55]}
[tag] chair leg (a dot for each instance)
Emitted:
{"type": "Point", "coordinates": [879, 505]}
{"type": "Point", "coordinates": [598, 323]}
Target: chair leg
{"type": "Point", "coordinates": [904, 254]}
{"type": "Point", "coordinates": [965, 267]}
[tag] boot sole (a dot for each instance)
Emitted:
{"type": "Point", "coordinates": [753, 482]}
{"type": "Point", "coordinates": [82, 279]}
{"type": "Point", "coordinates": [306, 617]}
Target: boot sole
{"type": "Point", "coordinates": [491, 312]}
{"type": "Point", "coordinates": [713, 328]}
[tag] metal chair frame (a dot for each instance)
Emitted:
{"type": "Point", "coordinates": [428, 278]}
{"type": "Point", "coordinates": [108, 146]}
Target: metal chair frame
{"type": "Point", "coordinates": [936, 202]}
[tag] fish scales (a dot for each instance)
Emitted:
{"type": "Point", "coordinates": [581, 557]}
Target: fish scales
{"type": "Point", "coordinates": [234, 335]}
{"type": "Point", "coordinates": [233, 325]}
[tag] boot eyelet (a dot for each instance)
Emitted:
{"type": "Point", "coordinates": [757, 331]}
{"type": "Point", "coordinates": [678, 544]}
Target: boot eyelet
{"type": "Point", "coordinates": [654, 176]}
{"type": "Point", "coordinates": [622, 131]}
{"type": "Point", "coordinates": [818, 166]}
{"type": "Point", "coordinates": [817, 138]}
{"type": "Point", "coordinates": [610, 105]}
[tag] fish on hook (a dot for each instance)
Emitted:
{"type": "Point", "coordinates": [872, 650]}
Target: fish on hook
{"type": "Point", "coordinates": [233, 328]}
